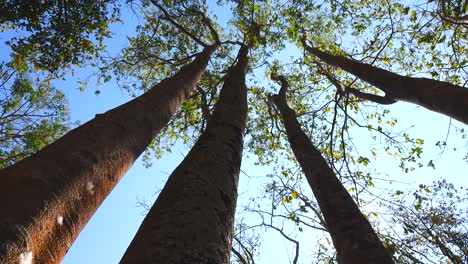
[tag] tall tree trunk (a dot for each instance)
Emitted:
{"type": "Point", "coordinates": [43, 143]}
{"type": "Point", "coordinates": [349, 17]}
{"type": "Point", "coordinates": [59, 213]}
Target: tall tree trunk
{"type": "Point", "coordinates": [192, 219]}
{"type": "Point", "coordinates": [438, 96]}
{"type": "Point", "coordinates": [47, 199]}
{"type": "Point", "coordinates": [354, 239]}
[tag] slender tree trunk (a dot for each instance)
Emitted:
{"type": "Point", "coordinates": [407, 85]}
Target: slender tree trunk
{"type": "Point", "coordinates": [438, 96]}
{"type": "Point", "coordinates": [47, 199]}
{"type": "Point", "coordinates": [192, 219]}
{"type": "Point", "coordinates": [354, 239]}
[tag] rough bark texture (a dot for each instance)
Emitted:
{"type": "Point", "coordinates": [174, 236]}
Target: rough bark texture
{"type": "Point", "coordinates": [353, 237]}
{"type": "Point", "coordinates": [441, 97]}
{"type": "Point", "coordinates": [47, 199]}
{"type": "Point", "coordinates": [192, 219]}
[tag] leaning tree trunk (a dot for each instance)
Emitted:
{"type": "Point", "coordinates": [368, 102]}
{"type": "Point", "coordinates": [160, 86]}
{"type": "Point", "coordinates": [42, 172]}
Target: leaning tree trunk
{"type": "Point", "coordinates": [192, 219]}
{"type": "Point", "coordinates": [438, 96]}
{"type": "Point", "coordinates": [353, 237]}
{"type": "Point", "coordinates": [46, 199]}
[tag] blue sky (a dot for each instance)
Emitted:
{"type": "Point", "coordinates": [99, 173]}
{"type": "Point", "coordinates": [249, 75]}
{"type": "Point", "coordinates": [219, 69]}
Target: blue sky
{"type": "Point", "coordinates": [112, 228]}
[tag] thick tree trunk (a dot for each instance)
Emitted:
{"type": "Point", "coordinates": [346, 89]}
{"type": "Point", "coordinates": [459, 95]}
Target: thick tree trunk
{"type": "Point", "coordinates": [441, 97]}
{"type": "Point", "coordinates": [354, 239]}
{"type": "Point", "coordinates": [47, 199]}
{"type": "Point", "coordinates": [192, 219]}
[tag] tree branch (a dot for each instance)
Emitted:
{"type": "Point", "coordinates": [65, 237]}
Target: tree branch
{"type": "Point", "coordinates": [386, 100]}
{"type": "Point", "coordinates": [284, 85]}
{"type": "Point", "coordinates": [168, 16]}
{"type": "Point", "coordinates": [208, 23]}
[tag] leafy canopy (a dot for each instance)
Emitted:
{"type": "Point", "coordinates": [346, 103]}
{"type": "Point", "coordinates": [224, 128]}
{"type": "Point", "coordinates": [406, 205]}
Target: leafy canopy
{"type": "Point", "coordinates": [56, 33]}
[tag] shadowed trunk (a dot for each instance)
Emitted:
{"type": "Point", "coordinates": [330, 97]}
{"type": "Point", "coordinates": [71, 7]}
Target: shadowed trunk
{"type": "Point", "coordinates": [353, 237]}
{"type": "Point", "coordinates": [48, 198]}
{"type": "Point", "coordinates": [192, 219]}
{"type": "Point", "coordinates": [438, 96]}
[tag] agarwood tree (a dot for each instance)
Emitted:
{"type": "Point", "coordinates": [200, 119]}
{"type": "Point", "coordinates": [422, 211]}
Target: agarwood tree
{"type": "Point", "coordinates": [192, 220]}
{"type": "Point", "coordinates": [336, 122]}
{"type": "Point", "coordinates": [59, 188]}
{"type": "Point", "coordinates": [354, 239]}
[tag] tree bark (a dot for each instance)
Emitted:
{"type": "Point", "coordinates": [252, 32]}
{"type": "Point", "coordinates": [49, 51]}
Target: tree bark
{"type": "Point", "coordinates": [438, 96]}
{"type": "Point", "coordinates": [353, 237]}
{"type": "Point", "coordinates": [192, 219]}
{"type": "Point", "coordinates": [47, 199]}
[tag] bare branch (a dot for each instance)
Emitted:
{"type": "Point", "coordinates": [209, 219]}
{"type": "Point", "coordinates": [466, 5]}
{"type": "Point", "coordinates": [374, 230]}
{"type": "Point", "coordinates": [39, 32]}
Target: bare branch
{"type": "Point", "coordinates": [296, 256]}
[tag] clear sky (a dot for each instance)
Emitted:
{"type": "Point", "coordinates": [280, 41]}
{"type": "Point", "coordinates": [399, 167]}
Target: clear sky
{"type": "Point", "coordinates": [112, 228]}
